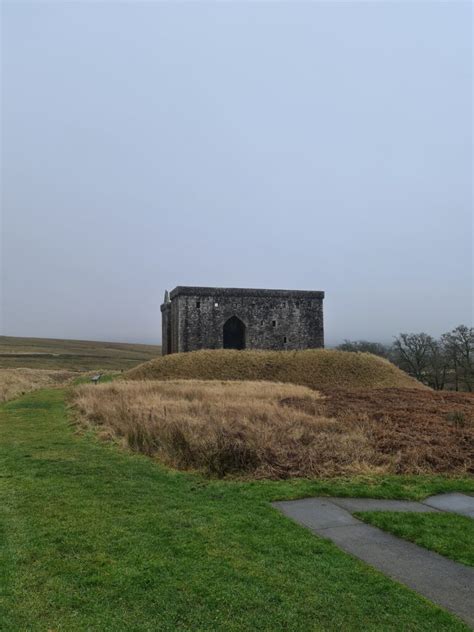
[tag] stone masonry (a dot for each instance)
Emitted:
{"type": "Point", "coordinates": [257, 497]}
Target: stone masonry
{"type": "Point", "coordinates": [236, 318]}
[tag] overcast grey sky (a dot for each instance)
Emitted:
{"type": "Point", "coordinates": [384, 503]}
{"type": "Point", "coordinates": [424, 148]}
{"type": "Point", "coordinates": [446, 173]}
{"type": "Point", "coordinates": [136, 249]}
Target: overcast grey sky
{"type": "Point", "coordinates": [323, 145]}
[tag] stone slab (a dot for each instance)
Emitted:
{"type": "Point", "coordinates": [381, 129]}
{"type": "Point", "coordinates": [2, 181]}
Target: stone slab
{"type": "Point", "coordinates": [443, 581]}
{"type": "Point", "coordinates": [376, 504]}
{"type": "Point", "coordinates": [316, 513]}
{"type": "Point", "coordinates": [454, 502]}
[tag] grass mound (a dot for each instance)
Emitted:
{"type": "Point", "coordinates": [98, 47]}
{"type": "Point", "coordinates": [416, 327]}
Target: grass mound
{"type": "Point", "coordinates": [315, 368]}
{"type": "Point", "coordinates": [275, 430]}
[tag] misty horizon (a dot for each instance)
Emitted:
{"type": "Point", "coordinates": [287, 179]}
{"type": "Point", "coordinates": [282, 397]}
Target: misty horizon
{"type": "Point", "coordinates": [323, 146]}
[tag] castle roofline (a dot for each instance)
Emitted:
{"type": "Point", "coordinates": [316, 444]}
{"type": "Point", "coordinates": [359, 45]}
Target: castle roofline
{"type": "Point", "coordinates": [186, 290]}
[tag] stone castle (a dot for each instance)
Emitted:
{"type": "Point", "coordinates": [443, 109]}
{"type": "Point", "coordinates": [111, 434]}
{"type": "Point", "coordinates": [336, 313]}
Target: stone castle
{"type": "Point", "coordinates": [236, 318]}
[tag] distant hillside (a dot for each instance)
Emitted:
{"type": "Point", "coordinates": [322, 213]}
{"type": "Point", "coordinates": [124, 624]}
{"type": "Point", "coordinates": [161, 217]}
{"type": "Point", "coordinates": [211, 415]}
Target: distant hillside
{"type": "Point", "coordinates": [316, 368]}
{"type": "Point", "coordinates": [74, 355]}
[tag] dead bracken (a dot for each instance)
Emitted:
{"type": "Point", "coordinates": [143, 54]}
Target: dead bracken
{"type": "Point", "coordinates": [275, 430]}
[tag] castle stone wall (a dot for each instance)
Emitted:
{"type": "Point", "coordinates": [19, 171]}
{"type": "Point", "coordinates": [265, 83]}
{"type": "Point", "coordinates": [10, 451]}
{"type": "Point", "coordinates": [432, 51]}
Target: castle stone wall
{"type": "Point", "coordinates": [274, 319]}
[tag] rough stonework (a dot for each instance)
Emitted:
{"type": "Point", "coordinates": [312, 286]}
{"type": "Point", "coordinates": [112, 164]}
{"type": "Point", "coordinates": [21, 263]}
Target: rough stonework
{"type": "Point", "coordinates": [235, 318]}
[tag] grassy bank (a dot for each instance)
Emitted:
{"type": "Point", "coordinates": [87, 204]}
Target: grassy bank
{"type": "Point", "coordinates": [315, 368]}
{"type": "Point", "coordinates": [96, 539]}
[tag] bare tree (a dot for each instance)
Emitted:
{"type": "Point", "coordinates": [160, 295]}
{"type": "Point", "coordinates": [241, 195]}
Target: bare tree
{"type": "Point", "coordinates": [437, 364]}
{"type": "Point", "coordinates": [459, 345]}
{"type": "Point", "coordinates": [452, 353]}
{"type": "Point", "coordinates": [364, 346]}
{"type": "Point", "coordinates": [411, 353]}
{"type": "Point", "coordinates": [445, 363]}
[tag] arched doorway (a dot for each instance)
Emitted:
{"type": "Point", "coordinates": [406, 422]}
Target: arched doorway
{"type": "Point", "coordinates": [234, 333]}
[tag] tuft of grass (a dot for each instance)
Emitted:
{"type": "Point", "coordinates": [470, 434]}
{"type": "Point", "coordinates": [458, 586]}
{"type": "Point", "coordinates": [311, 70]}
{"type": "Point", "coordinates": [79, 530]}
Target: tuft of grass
{"type": "Point", "coordinates": [17, 382]}
{"type": "Point", "coordinates": [448, 534]}
{"type": "Point", "coordinates": [458, 418]}
{"type": "Point", "coordinates": [315, 368]}
{"type": "Point", "coordinates": [93, 538]}
{"type": "Point", "coordinates": [275, 430]}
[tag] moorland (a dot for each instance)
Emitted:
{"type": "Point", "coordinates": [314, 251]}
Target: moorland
{"type": "Point", "coordinates": [144, 503]}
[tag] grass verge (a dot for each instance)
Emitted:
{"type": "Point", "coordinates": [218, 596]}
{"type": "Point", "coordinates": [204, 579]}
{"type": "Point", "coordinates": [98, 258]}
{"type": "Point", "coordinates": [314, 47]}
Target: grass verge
{"type": "Point", "coordinates": [97, 539]}
{"type": "Point", "coordinates": [447, 534]}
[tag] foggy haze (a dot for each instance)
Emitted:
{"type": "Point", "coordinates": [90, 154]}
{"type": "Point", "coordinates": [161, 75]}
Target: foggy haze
{"type": "Point", "coordinates": [321, 146]}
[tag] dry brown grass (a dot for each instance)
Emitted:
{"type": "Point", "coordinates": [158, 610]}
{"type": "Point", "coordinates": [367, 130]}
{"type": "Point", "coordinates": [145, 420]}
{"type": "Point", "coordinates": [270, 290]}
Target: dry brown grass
{"type": "Point", "coordinates": [72, 355]}
{"type": "Point", "coordinates": [316, 368]}
{"type": "Point", "coordinates": [276, 430]}
{"type": "Point", "coordinates": [17, 382]}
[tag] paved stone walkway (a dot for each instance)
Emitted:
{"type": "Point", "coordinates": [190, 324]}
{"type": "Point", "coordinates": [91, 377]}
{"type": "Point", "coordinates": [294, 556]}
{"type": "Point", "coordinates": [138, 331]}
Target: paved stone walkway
{"type": "Point", "coordinates": [443, 581]}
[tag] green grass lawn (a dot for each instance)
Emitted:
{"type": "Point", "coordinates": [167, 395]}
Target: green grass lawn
{"type": "Point", "coordinates": [448, 534]}
{"type": "Point", "coordinates": [96, 539]}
